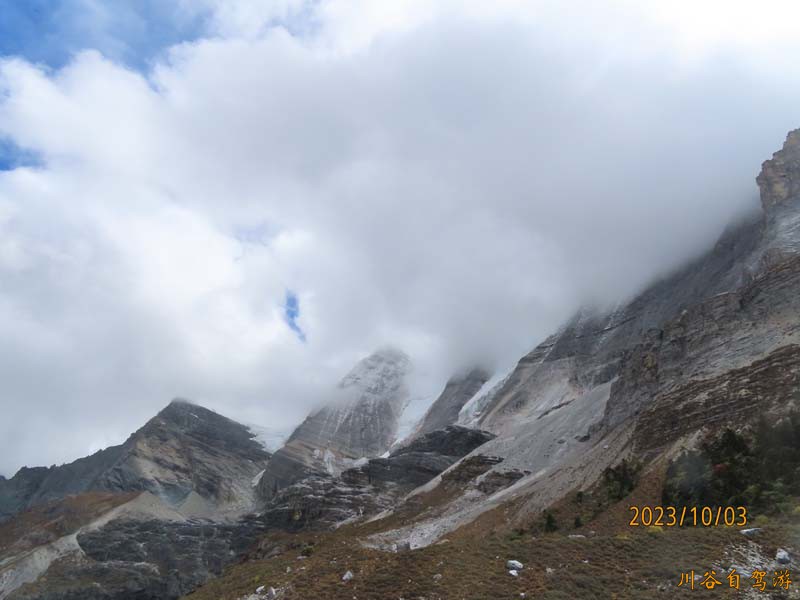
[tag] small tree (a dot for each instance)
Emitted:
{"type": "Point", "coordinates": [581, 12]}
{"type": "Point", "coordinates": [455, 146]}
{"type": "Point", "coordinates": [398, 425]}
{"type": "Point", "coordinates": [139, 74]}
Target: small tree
{"type": "Point", "coordinates": [550, 522]}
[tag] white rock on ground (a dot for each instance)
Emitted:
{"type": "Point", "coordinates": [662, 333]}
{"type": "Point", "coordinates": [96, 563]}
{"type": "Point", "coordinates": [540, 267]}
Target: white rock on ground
{"type": "Point", "coordinates": [782, 556]}
{"type": "Point", "coordinates": [751, 531]}
{"type": "Point", "coordinates": [515, 565]}
{"type": "Point", "coordinates": [513, 572]}
{"type": "Point", "coordinates": [347, 576]}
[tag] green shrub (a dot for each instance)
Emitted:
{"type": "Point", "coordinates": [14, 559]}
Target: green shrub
{"type": "Point", "coordinates": [550, 524]}
{"type": "Point", "coordinates": [760, 470]}
{"type": "Point", "coordinates": [620, 480]}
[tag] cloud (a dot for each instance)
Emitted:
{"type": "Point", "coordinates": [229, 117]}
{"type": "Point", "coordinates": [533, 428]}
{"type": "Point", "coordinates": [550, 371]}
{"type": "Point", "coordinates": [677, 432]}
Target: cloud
{"type": "Point", "coordinates": [451, 178]}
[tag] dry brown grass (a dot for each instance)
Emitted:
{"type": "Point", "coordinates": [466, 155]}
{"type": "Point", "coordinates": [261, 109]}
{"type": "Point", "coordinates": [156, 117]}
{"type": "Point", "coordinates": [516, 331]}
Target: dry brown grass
{"type": "Point", "coordinates": [53, 520]}
{"type": "Point", "coordinates": [616, 562]}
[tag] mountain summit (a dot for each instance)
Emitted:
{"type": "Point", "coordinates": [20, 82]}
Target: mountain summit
{"type": "Point", "coordinates": [186, 455]}
{"type": "Point", "coordinates": [360, 421]}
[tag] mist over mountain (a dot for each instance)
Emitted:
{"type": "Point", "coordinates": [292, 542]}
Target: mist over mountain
{"type": "Point", "coordinates": [245, 216]}
{"type": "Point", "coordinates": [688, 392]}
{"type": "Point", "coordinates": [440, 291]}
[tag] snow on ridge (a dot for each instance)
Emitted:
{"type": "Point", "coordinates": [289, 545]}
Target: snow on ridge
{"type": "Point", "coordinates": [270, 439]}
{"type": "Point", "coordinates": [473, 408]}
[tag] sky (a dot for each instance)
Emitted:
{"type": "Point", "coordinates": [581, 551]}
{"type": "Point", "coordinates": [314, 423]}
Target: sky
{"type": "Point", "coordinates": [234, 201]}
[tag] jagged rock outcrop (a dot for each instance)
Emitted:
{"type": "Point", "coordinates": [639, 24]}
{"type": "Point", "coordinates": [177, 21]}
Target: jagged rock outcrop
{"type": "Point", "coordinates": [322, 501]}
{"type": "Point", "coordinates": [421, 460]}
{"type": "Point", "coordinates": [778, 180]}
{"type": "Point", "coordinates": [187, 455]}
{"type": "Point", "coordinates": [360, 421]}
{"type": "Point", "coordinates": [446, 408]}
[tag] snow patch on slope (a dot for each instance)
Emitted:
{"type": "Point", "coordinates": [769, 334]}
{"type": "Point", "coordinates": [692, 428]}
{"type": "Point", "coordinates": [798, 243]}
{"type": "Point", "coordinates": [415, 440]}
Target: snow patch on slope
{"type": "Point", "coordinates": [473, 409]}
{"type": "Point", "coordinates": [257, 478]}
{"type": "Point", "coordinates": [411, 416]}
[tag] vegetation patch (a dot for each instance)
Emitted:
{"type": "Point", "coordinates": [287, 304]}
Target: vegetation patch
{"type": "Point", "coordinates": [759, 469]}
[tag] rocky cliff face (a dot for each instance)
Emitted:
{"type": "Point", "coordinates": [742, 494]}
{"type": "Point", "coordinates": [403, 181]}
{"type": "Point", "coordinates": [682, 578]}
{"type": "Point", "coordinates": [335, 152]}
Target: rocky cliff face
{"type": "Point", "coordinates": [135, 559]}
{"type": "Point", "coordinates": [191, 457]}
{"type": "Point", "coordinates": [322, 501]}
{"type": "Point", "coordinates": [728, 308]}
{"type": "Point", "coordinates": [360, 421]}
{"type": "Point", "coordinates": [446, 408]}
{"type": "Point", "coordinates": [709, 344]}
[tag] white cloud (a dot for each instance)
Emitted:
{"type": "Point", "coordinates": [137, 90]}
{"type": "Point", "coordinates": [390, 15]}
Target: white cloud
{"type": "Point", "coordinates": [455, 178]}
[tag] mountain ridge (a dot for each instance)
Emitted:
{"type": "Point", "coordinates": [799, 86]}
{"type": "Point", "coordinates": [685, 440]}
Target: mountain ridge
{"type": "Point", "coordinates": [172, 456]}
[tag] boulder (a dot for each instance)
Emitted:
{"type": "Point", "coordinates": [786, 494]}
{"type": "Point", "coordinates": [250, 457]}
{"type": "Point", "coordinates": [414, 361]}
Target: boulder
{"type": "Point", "coordinates": [752, 531]}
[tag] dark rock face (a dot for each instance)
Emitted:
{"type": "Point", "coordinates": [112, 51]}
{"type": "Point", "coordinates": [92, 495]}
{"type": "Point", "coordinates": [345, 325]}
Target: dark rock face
{"type": "Point", "coordinates": [422, 460]}
{"type": "Point", "coordinates": [120, 581]}
{"type": "Point", "coordinates": [361, 421]}
{"type": "Point", "coordinates": [458, 391]}
{"type": "Point", "coordinates": [16, 492]}
{"type": "Point", "coordinates": [454, 440]}
{"type": "Point", "coordinates": [470, 468]}
{"type": "Point", "coordinates": [500, 480]}
{"type": "Point", "coordinates": [184, 449]}
{"type": "Point", "coordinates": [409, 470]}
{"type": "Point", "coordinates": [322, 501]}
{"type": "Point", "coordinates": [128, 559]}
{"type": "Point", "coordinates": [778, 180]}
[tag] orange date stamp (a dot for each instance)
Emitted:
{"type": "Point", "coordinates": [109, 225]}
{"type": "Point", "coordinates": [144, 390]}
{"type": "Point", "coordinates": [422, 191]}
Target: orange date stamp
{"type": "Point", "coordinates": [688, 516]}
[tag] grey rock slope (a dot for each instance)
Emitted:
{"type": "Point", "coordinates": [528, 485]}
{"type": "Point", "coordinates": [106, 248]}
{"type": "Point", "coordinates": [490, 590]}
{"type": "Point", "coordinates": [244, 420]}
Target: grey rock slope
{"type": "Point", "coordinates": [186, 455]}
{"type": "Point", "coordinates": [714, 342]}
{"type": "Point", "coordinates": [602, 368]}
{"type": "Point", "coordinates": [360, 421]}
{"type": "Point", "coordinates": [446, 408]}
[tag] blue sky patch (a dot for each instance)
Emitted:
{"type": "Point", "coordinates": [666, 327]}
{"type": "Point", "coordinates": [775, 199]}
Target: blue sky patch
{"type": "Point", "coordinates": [12, 156]}
{"type": "Point", "coordinates": [291, 312]}
{"type": "Point", "coordinates": [50, 32]}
